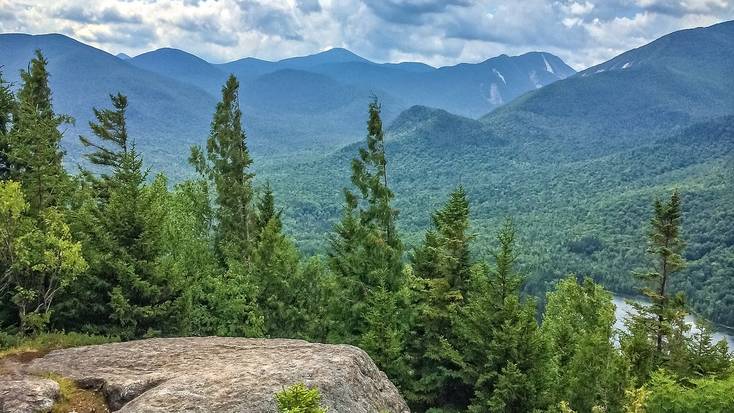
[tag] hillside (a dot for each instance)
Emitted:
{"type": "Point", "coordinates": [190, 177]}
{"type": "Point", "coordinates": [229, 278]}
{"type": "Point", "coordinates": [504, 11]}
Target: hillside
{"type": "Point", "coordinates": [677, 80]}
{"type": "Point", "coordinates": [576, 164]}
{"type": "Point", "coordinates": [183, 67]}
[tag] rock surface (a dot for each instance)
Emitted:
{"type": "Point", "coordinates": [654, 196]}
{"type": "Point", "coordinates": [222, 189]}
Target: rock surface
{"type": "Point", "coordinates": [27, 394]}
{"type": "Point", "coordinates": [216, 374]}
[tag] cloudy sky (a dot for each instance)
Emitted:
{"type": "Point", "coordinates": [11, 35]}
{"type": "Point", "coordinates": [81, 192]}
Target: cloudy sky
{"type": "Point", "coordinates": [438, 32]}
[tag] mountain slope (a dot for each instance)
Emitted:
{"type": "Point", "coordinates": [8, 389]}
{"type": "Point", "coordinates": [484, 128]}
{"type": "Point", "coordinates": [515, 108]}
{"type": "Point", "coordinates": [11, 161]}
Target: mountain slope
{"type": "Point", "coordinates": [677, 80]}
{"type": "Point", "coordinates": [183, 67]}
{"type": "Point", "coordinates": [466, 89]}
{"type": "Point", "coordinates": [302, 104]}
{"type": "Point", "coordinates": [576, 164]}
{"type": "Point", "coordinates": [82, 77]}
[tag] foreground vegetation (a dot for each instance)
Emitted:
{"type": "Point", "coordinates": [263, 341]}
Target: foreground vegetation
{"type": "Point", "coordinates": [114, 252]}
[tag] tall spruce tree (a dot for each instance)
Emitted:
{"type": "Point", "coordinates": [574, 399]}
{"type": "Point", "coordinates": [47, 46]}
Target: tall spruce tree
{"type": "Point", "coordinates": [365, 249]}
{"type": "Point", "coordinates": [441, 266]}
{"type": "Point", "coordinates": [87, 302]}
{"type": "Point", "coordinates": [7, 108]}
{"type": "Point", "coordinates": [366, 254]}
{"type": "Point", "coordinates": [503, 354]}
{"type": "Point", "coordinates": [35, 156]}
{"type": "Point", "coordinates": [657, 330]}
{"type": "Point", "coordinates": [227, 165]}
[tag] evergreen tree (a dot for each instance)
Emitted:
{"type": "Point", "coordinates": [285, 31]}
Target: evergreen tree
{"type": "Point", "coordinates": [452, 225]}
{"type": "Point", "coordinates": [266, 211]}
{"type": "Point", "coordinates": [365, 249]}
{"type": "Point", "coordinates": [299, 399]}
{"type": "Point", "coordinates": [122, 230]}
{"type": "Point", "coordinates": [579, 326]}
{"type": "Point", "coordinates": [441, 266]}
{"type": "Point", "coordinates": [384, 337]}
{"type": "Point", "coordinates": [504, 356]}
{"type": "Point", "coordinates": [659, 325]}
{"type": "Point", "coordinates": [227, 165]}
{"type": "Point", "coordinates": [312, 291]}
{"type": "Point", "coordinates": [110, 129]}
{"type": "Point", "coordinates": [365, 257]}
{"type": "Point", "coordinates": [275, 267]}
{"type": "Point", "coordinates": [35, 154]}
{"type": "Point", "coordinates": [704, 357]}
{"type": "Point", "coordinates": [132, 219]}
{"type": "Point", "coordinates": [7, 107]}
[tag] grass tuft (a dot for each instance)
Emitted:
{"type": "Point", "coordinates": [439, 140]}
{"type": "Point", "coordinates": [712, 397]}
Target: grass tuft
{"type": "Point", "coordinates": [28, 348]}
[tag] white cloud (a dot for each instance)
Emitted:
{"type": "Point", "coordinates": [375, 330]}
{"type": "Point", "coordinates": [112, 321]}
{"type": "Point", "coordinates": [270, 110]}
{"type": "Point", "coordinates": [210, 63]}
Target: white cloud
{"type": "Point", "coordinates": [582, 32]}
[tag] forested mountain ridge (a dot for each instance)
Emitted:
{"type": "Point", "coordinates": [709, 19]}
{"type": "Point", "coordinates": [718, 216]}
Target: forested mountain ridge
{"type": "Point", "coordinates": [280, 99]}
{"type": "Point", "coordinates": [574, 168]}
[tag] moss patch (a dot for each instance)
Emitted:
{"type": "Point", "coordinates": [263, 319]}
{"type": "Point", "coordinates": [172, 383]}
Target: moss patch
{"type": "Point", "coordinates": [74, 399]}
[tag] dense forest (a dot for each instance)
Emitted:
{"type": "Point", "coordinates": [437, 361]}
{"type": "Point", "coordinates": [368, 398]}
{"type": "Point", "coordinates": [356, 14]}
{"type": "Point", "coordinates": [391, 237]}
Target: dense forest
{"type": "Point", "coordinates": [116, 253]}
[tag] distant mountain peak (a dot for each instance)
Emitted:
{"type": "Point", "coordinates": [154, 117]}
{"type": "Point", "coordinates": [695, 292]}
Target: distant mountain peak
{"type": "Point", "coordinates": [333, 55]}
{"type": "Point", "coordinates": [123, 56]}
{"type": "Point", "coordinates": [169, 52]}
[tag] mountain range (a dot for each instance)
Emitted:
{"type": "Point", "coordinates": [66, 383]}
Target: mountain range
{"type": "Point", "coordinates": [307, 103]}
{"type": "Point", "coordinates": [576, 159]}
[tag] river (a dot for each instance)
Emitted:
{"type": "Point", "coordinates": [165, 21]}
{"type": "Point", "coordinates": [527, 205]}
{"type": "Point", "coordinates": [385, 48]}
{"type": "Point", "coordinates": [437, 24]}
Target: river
{"type": "Point", "coordinates": [623, 309]}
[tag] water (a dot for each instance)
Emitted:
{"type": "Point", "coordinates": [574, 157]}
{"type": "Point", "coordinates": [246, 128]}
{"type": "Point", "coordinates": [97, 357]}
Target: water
{"type": "Point", "coordinates": [623, 309]}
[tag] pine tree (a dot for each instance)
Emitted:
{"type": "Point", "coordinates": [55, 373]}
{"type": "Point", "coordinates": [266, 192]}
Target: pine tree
{"type": "Point", "coordinates": [504, 356]}
{"type": "Point", "coordinates": [132, 221]}
{"type": "Point", "coordinates": [452, 225]}
{"type": "Point", "coordinates": [441, 266]}
{"type": "Point", "coordinates": [274, 267]}
{"type": "Point", "coordinates": [661, 323]}
{"type": "Point", "coordinates": [227, 165]}
{"type": "Point", "coordinates": [299, 399]}
{"type": "Point", "coordinates": [35, 156]}
{"type": "Point", "coordinates": [384, 338]}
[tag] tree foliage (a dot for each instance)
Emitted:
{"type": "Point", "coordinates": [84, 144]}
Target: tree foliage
{"type": "Point", "coordinates": [366, 255]}
{"type": "Point", "coordinates": [226, 164]}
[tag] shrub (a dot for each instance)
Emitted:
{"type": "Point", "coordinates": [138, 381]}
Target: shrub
{"type": "Point", "coordinates": [299, 399]}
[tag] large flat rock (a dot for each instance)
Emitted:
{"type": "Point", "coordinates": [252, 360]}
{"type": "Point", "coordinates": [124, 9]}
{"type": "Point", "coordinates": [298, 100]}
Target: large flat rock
{"type": "Point", "coordinates": [216, 374]}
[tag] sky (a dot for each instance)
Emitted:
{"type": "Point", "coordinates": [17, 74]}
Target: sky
{"type": "Point", "coordinates": [437, 32]}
